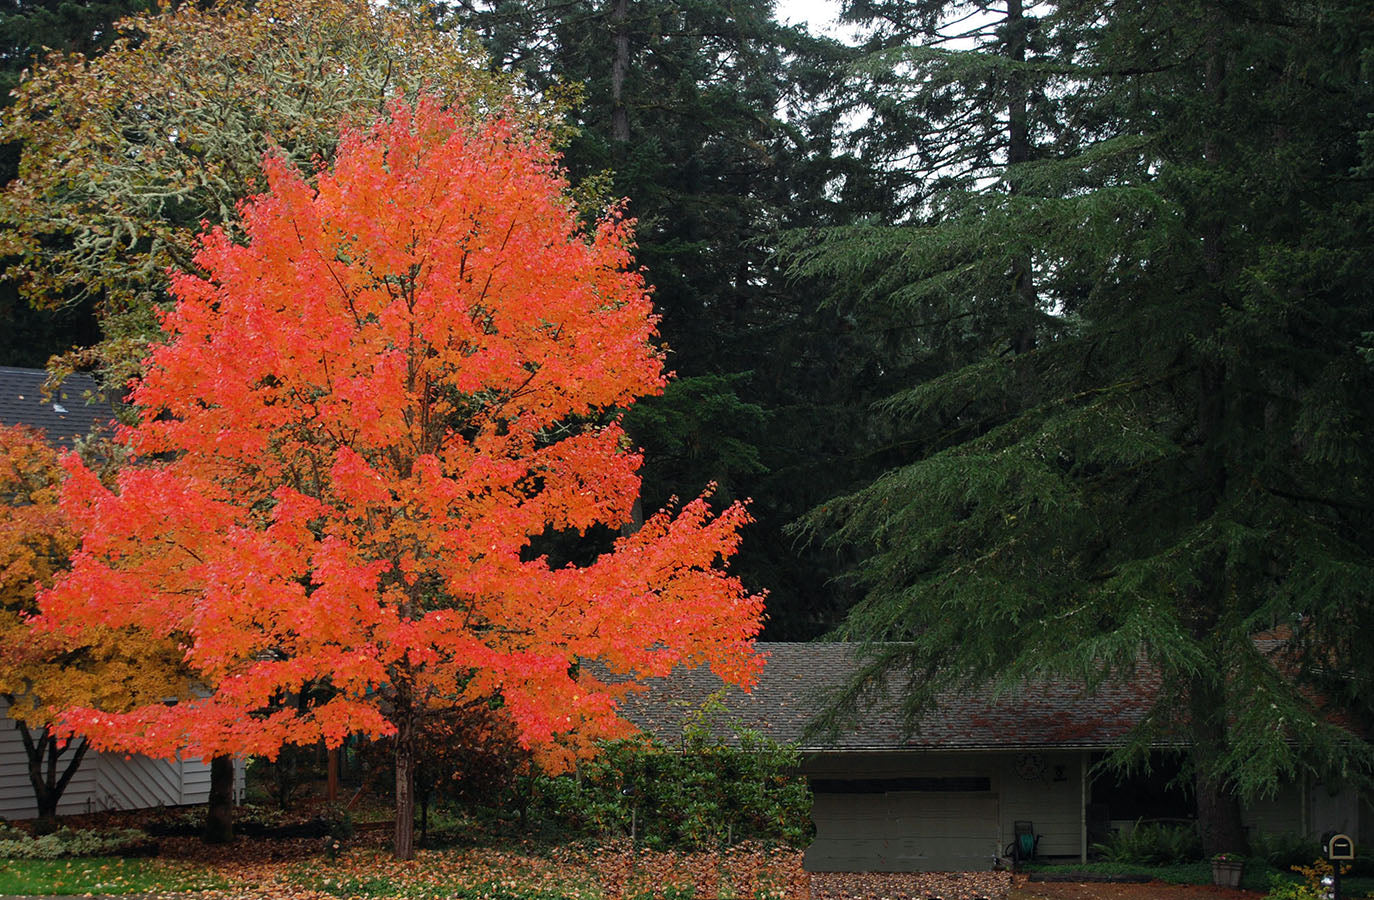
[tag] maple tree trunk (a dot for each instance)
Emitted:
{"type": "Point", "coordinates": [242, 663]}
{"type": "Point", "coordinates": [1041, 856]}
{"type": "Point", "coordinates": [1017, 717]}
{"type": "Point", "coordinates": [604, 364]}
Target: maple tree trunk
{"type": "Point", "coordinates": [331, 790]}
{"type": "Point", "coordinates": [636, 519]}
{"type": "Point", "coordinates": [219, 810]}
{"type": "Point", "coordinates": [404, 845]}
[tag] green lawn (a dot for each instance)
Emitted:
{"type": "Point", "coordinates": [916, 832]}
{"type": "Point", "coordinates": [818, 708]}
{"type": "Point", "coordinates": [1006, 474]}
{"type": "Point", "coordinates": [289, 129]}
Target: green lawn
{"type": "Point", "coordinates": [101, 875]}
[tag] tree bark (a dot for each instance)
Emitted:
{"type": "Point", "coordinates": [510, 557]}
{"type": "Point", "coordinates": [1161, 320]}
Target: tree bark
{"type": "Point", "coordinates": [404, 843]}
{"type": "Point", "coordinates": [1218, 808]}
{"type": "Point", "coordinates": [1019, 151]}
{"type": "Point", "coordinates": [331, 790]}
{"type": "Point", "coordinates": [44, 757]}
{"type": "Point", "coordinates": [219, 810]}
{"type": "Point", "coordinates": [620, 67]}
{"type": "Point", "coordinates": [636, 521]}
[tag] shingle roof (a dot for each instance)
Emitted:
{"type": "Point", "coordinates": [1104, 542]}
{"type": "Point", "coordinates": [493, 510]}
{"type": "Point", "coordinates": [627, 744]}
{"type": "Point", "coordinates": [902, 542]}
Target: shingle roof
{"type": "Point", "coordinates": [797, 676]}
{"type": "Point", "coordinates": [63, 417]}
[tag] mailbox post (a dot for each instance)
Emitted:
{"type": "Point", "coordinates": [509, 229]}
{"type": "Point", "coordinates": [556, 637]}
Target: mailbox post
{"type": "Point", "coordinates": [1339, 848]}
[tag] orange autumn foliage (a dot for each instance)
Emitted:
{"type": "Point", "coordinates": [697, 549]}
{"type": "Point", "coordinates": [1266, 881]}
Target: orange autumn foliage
{"type": "Point", "coordinates": [42, 672]}
{"type": "Point", "coordinates": [364, 416]}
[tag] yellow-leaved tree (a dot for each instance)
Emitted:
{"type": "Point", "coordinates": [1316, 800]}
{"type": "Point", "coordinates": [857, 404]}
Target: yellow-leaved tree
{"type": "Point", "coordinates": [42, 673]}
{"type": "Point", "coordinates": [128, 154]}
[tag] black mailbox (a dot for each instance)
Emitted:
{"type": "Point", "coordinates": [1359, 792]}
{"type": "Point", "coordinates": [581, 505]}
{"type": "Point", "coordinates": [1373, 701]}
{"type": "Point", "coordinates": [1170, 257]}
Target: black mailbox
{"type": "Point", "coordinates": [1340, 846]}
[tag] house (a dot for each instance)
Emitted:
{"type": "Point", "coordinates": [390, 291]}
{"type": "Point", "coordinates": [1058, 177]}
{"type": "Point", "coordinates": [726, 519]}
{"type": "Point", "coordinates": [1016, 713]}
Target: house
{"type": "Point", "coordinates": [63, 417]}
{"type": "Point", "coordinates": [104, 780]}
{"type": "Point", "coordinates": [949, 797]}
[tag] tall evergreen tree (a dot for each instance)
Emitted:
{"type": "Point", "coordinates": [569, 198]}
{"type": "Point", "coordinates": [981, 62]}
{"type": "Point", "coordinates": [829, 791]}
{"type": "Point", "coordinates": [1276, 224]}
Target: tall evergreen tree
{"type": "Point", "coordinates": [708, 117]}
{"type": "Point", "coordinates": [1149, 449]}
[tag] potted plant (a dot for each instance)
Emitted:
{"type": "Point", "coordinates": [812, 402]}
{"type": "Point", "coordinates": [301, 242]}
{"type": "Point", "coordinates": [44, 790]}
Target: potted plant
{"type": "Point", "coordinates": [1227, 869]}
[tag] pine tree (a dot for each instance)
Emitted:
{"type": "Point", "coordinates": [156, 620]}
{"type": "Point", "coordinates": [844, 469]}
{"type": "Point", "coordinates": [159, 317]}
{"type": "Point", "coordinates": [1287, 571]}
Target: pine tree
{"type": "Point", "coordinates": [1156, 455]}
{"type": "Point", "coordinates": [709, 118]}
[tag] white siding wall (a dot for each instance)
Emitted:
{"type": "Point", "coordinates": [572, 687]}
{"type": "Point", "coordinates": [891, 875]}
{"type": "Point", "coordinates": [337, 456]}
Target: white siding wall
{"type": "Point", "coordinates": [137, 782]}
{"type": "Point", "coordinates": [16, 793]}
{"type": "Point", "coordinates": [1049, 796]}
{"type": "Point", "coordinates": [1054, 807]}
{"type": "Point", "coordinates": [1334, 809]}
{"type": "Point", "coordinates": [105, 780]}
{"type": "Point", "coordinates": [1280, 814]}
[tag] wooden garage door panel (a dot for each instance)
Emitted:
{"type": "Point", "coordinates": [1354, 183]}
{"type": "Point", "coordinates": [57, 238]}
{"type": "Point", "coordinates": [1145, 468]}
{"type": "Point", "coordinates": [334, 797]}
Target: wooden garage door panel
{"type": "Point", "coordinates": [903, 832]}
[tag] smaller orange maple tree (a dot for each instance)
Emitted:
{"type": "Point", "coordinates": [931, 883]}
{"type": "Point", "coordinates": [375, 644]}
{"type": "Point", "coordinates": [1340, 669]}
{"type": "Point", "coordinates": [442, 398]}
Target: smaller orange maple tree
{"type": "Point", "coordinates": [364, 417]}
{"type": "Point", "coordinates": [42, 672]}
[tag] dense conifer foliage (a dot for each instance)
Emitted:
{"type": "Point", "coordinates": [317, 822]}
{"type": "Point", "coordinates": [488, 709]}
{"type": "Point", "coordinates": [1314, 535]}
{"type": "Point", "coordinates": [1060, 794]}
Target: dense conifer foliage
{"type": "Point", "coordinates": [719, 126]}
{"type": "Point", "coordinates": [1148, 444]}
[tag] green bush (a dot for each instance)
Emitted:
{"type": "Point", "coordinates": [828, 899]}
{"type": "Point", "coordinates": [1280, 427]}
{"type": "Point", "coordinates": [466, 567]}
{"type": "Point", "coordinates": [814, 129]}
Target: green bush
{"type": "Point", "coordinates": [1281, 888]}
{"type": "Point", "coordinates": [68, 842]}
{"type": "Point", "coordinates": [714, 790]}
{"type": "Point", "coordinates": [1312, 887]}
{"type": "Point", "coordinates": [1152, 843]}
{"type": "Point", "coordinates": [1284, 851]}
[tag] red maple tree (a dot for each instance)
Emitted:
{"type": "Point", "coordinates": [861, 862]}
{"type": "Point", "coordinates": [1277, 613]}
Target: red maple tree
{"type": "Point", "coordinates": [364, 416]}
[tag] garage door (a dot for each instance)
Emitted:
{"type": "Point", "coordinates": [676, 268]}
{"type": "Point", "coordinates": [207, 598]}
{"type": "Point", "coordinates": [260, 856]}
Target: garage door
{"type": "Point", "coordinates": [903, 831]}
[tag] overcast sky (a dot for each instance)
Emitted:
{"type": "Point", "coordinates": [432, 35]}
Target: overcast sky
{"type": "Point", "coordinates": [818, 15]}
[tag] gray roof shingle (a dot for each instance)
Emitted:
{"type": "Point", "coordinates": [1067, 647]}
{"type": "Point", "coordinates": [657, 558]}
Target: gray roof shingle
{"type": "Point", "coordinates": [797, 677]}
{"type": "Point", "coordinates": [64, 417]}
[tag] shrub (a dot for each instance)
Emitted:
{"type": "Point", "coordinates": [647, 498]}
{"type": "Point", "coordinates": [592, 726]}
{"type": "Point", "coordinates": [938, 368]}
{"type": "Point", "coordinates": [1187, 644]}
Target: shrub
{"type": "Point", "coordinates": [1152, 843]}
{"type": "Point", "coordinates": [1312, 887]}
{"type": "Point", "coordinates": [1284, 851]}
{"type": "Point", "coordinates": [176, 821]}
{"type": "Point", "coordinates": [1281, 888]}
{"type": "Point", "coordinates": [723, 785]}
{"type": "Point", "coordinates": [252, 820]}
{"type": "Point", "coordinates": [68, 842]}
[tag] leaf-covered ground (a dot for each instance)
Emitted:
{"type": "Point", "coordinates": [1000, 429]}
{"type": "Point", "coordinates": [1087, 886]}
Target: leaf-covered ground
{"type": "Point", "coordinates": [314, 869]}
{"type": "Point", "coordinates": [608, 871]}
{"type": "Point", "coordinates": [307, 870]}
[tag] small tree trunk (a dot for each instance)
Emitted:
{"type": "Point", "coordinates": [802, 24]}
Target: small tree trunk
{"type": "Point", "coordinates": [44, 755]}
{"type": "Point", "coordinates": [219, 811]}
{"type": "Point", "coordinates": [527, 796]}
{"type": "Point", "coordinates": [404, 845]}
{"type": "Point", "coordinates": [331, 790]}
{"type": "Point", "coordinates": [636, 519]}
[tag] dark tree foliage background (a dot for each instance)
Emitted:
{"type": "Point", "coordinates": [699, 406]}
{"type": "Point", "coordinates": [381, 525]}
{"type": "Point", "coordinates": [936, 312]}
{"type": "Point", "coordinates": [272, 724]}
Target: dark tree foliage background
{"type": "Point", "coordinates": [719, 126]}
{"type": "Point", "coordinates": [28, 31]}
